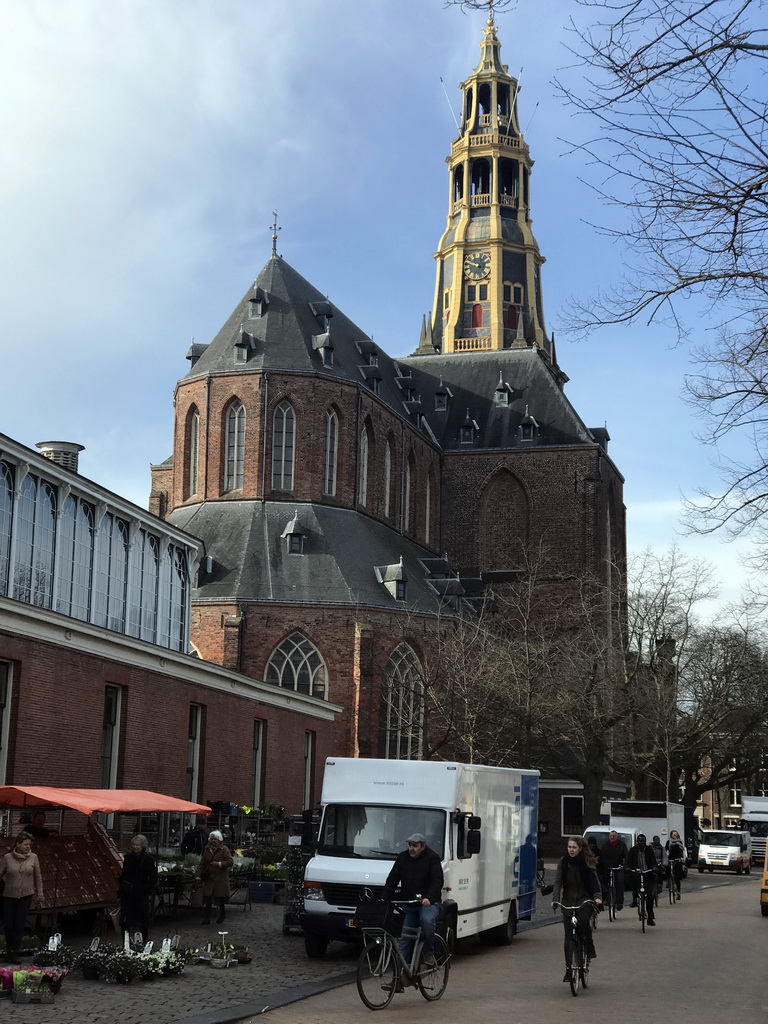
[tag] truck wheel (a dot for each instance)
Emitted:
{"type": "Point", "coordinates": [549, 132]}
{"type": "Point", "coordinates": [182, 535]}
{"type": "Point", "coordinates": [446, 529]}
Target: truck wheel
{"type": "Point", "coordinates": [748, 868]}
{"type": "Point", "coordinates": [710, 870]}
{"type": "Point", "coordinates": [503, 934]}
{"type": "Point", "coordinates": [701, 869]}
{"type": "Point", "coordinates": [315, 945]}
{"type": "Point", "coordinates": [739, 868]}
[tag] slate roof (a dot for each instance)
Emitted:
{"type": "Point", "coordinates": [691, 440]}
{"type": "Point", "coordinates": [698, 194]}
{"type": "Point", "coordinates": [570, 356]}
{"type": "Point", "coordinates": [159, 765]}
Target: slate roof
{"type": "Point", "coordinates": [299, 322]}
{"type": "Point", "coordinates": [341, 549]}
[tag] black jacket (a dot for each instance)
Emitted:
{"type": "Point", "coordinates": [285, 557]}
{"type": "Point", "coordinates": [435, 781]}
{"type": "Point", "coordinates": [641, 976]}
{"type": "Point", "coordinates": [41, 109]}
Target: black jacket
{"type": "Point", "coordinates": [194, 841]}
{"type": "Point", "coordinates": [139, 875]}
{"type": "Point", "coordinates": [418, 876]}
{"type": "Point", "coordinates": [613, 856]}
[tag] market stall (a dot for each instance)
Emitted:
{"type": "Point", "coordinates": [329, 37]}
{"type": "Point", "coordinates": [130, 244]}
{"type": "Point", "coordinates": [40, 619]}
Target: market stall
{"type": "Point", "coordinates": [80, 870]}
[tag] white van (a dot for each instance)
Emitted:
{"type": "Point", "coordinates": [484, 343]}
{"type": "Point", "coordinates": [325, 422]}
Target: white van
{"type": "Point", "coordinates": [729, 851]}
{"type": "Point", "coordinates": [600, 833]}
{"type": "Point", "coordinates": [481, 820]}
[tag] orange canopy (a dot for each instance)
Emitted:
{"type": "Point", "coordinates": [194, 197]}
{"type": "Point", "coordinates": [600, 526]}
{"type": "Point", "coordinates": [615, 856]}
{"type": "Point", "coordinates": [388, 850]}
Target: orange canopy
{"type": "Point", "coordinates": [87, 801]}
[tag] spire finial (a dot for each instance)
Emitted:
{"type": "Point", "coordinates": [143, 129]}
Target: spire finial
{"type": "Point", "coordinates": [274, 229]}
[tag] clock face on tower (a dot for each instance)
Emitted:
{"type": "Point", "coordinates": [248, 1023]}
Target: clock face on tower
{"type": "Point", "coordinates": [477, 265]}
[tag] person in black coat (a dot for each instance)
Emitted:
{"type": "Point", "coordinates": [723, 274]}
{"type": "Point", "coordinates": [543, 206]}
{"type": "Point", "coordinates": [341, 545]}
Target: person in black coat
{"type": "Point", "coordinates": [194, 839]}
{"type": "Point", "coordinates": [136, 887]}
{"type": "Point", "coordinates": [641, 858]}
{"type": "Point", "coordinates": [613, 854]}
{"type": "Point", "coordinates": [419, 873]}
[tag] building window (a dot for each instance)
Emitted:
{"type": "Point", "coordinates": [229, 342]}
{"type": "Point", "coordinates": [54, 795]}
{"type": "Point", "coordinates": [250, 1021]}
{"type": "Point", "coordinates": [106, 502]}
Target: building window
{"type": "Point", "coordinates": [194, 732]}
{"type": "Point", "coordinates": [283, 447]}
{"type": "Point", "coordinates": [427, 512]}
{"type": "Point", "coordinates": [362, 477]}
{"type": "Point", "coordinates": [258, 762]}
{"type": "Point", "coordinates": [309, 764]}
{"type": "Point", "coordinates": [110, 737]}
{"type": "Point", "coordinates": [401, 590]}
{"type": "Point", "coordinates": [441, 401]}
{"type": "Point", "coordinates": [387, 478]}
{"type": "Point", "coordinates": [526, 431]}
{"type": "Point", "coordinates": [572, 811]}
{"type": "Point", "coordinates": [471, 293]}
{"type": "Point", "coordinates": [407, 498]}
{"type": "Point", "coordinates": [517, 295]}
{"type": "Point", "coordinates": [296, 664]}
{"type": "Point", "coordinates": [35, 536]}
{"type": "Point", "coordinates": [734, 794]}
{"type": "Point", "coordinates": [507, 293]}
{"type": "Point", "coordinates": [5, 717]}
{"type": "Point", "coordinates": [193, 448]}
{"type": "Point", "coordinates": [466, 435]}
{"type": "Point", "coordinates": [235, 447]}
{"type": "Point", "coordinates": [6, 518]}
{"type": "Point", "coordinates": [256, 308]}
{"type": "Point", "coordinates": [483, 292]}
{"type": "Point", "coordinates": [330, 453]}
{"type": "Point", "coordinates": [83, 562]}
{"type": "Point", "coordinates": [402, 717]}
{"type": "Point", "coordinates": [511, 318]}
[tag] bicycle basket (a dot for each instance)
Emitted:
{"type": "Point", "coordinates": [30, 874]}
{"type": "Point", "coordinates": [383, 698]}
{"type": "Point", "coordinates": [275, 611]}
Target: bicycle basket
{"type": "Point", "coordinates": [380, 914]}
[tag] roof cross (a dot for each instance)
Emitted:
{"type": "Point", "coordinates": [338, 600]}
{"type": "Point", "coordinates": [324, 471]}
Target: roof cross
{"type": "Point", "coordinates": [274, 229]}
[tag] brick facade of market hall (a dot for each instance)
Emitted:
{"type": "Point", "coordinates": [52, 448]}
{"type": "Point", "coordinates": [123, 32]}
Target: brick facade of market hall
{"type": "Point", "coordinates": [339, 503]}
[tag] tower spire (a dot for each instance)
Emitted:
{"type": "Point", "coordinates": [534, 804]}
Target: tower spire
{"type": "Point", "coordinates": [274, 229]}
{"type": "Point", "coordinates": [488, 287]}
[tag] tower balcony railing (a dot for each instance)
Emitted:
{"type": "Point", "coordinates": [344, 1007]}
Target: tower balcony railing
{"type": "Point", "coordinates": [491, 139]}
{"type": "Point", "coordinates": [471, 344]}
{"type": "Point", "coordinates": [481, 199]}
{"type": "Point", "coordinates": [508, 200]}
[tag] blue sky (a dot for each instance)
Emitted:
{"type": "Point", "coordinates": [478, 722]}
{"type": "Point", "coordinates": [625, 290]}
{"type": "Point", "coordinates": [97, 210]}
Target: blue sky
{"type": "Point", "coordinates": [145, 144]}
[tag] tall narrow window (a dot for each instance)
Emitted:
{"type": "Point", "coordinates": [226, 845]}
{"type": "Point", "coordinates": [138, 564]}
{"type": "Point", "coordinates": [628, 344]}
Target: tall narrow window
{"type": "Point", "coordinates": [330, 453]}
{"type": "Point", "coordinates": [82, 578]}
{"type": "Point", "coordinates": [402, 718]}
{"type": "Point", "coordinates": [407, 497]}
{"type": "Point", "coordinates": [477, 315]}
{"type": "Point", "coordinates": [193, 750]}
{"type": "Point", "coordinates": [6, 514]}
{"type": "Point", "coordinates": [150, 586]}
{"type": "Point", "coordinates": [387, 478]}
{"type": "Point", "coordinates": [25, 540]}
{"type": "Point", "coordinates": [5, 717]}
{"type": "Point", "coordinates": [110, 737]}
{"type": "Point", "coordinates": [309, 762]}
{"type": "Point", "coordinates": [193, 449]}
{"type": "Point", "coordinates": [258, 761]}
{"type": "Point", "coordinates": [427, 510]}
{"type": "Point", "coordinates": [283, 447]}
{"type": "Point", "coordinates": [362, 470]}
{"type": "Point", "coordinates": [66, 564]}
{"type": "Point", "coordinates": [233, 479]}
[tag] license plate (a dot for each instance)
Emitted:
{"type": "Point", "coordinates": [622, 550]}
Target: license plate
{"type": "Point", "coordinates": [350, 922]}
{"type": "Point", "coordinates": [718, 863]}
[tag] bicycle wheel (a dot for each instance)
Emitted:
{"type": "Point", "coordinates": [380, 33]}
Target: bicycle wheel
{"type": "Point", "coordinates": [584, 972]}
{"type": "Point", "coordinates": [611, 904]}
{"type": "Point", "coordinates": [377, 974]}
{"type": "Point", "coordinates": [432, 980]}
{"type": "Point", "coordinates": [641, 910]}
{"type": "Point", "coordinates": [672, 890]}
{"type": "Point", "coordinates": [573, 960]}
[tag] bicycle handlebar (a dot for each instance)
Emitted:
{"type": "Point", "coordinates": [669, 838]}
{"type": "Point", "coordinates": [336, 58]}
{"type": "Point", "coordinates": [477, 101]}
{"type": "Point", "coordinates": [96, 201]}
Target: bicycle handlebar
{"type": "Point", "coordinates": [556, 903]}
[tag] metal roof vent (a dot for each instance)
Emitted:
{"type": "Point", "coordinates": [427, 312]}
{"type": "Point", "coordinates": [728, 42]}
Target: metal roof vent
{"type": "Point", "coordinates": [63, 453]}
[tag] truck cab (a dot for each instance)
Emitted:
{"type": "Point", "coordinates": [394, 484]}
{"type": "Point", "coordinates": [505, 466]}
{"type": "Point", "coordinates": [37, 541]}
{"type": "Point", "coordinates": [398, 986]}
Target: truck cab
{"type": "Point", "coordinates": [726, 851]}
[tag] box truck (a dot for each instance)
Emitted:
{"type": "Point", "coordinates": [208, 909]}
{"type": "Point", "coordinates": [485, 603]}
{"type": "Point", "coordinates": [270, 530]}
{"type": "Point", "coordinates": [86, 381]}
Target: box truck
{"type": "Point", "coordinates": [482, 821]}
{"type": "Point", "coordinates": [754, 819]}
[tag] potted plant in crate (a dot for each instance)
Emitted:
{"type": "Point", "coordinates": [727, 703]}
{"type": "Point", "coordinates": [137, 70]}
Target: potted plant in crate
{"type": "Point", "coordinates": [90, 962]}
{"type": "Point", "coordinates": [121, 966]}
{"type": "Point", "coordinates": [241, 954]}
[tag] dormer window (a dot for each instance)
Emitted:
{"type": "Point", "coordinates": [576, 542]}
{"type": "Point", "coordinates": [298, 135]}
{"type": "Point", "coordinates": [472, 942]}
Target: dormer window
{"type": "Point", "coordinates": [401, 590]}
{"type": "Point", "coordinates": [467, 435]}
{"type": "Point", "coordinates": [293, 535]}
{"type": "Point", "coordinates": [441, 401]}
{"type": "Point", "coordinates": [502, 397]}
{"type": "Point", "coordinates": [322, 343]}
{"type": "Point", "coordinates": [394, 579]}
{"type": "Point", "coordinates": [328, 357]}
{"type": "Point", "coordinates": [256, 308]}
{"type": "Point", "coordinates": [372, 359]}
{"type": "Point", "coordinates": [244, 345]}
{"type": "Point", "coordinates": [526, 431]}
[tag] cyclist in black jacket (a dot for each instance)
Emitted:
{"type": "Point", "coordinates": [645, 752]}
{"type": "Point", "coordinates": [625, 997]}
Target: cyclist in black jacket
{"type": "Point", "coordinates": [419, 872]}
{"type": "Point", "coordinates": [613, 853]}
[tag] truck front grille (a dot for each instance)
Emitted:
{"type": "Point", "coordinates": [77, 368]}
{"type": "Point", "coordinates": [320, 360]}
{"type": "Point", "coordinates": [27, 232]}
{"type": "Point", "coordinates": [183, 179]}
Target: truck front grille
{"type": "Point", "coordinates": [341, 894]}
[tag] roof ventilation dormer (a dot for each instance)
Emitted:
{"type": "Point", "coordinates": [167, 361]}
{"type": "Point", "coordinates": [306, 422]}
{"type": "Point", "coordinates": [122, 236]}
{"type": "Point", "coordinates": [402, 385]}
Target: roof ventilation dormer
{"type": "Point", "coordinates": [294, 535]}
{"type": "Point", "coordinates": [394, 579]}
{"type": "Point", "coordinates": [257, 304]}
{"type": "Point", "coordinates": [323, 344]}
{"type": "Point", "coordinates": [529, 428]}
{"type": "Point", "coordinates": [443, 395]}
{"type": "Point", "coordinates": [503, 394]}
{"type": "Point", "coordinates": [245, 343]}
{"type": "Point", "coordinates": [468, 430]}
{"type": "Point", "coordinates": [63, 453]}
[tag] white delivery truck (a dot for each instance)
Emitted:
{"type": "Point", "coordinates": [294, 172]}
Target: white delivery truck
{"type": "Point", "coordinates": [725, 849]}
{"type": "Point", "coordinates": [754, 819]}
{"type": "Point", "coordinates": [482, 821]}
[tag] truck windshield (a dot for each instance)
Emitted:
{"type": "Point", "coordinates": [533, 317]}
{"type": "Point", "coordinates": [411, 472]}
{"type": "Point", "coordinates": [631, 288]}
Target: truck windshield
{"type": "Point", "coordinates": [721, 839]}
{"type": "Point", "coordinates": [756, 828]}
{"type": "Point", "coordinates": [378, 832]}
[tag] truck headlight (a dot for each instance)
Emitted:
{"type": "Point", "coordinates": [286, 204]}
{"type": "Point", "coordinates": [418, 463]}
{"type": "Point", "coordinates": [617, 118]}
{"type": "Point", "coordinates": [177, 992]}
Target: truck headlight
{"type": "Point", "coordinates": [313, 891]}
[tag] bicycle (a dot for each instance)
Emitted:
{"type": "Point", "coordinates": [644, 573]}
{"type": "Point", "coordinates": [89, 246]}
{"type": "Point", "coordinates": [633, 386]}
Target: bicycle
{"type": "Point", "coordinates": [673, 880]}
{"type": "Point", "coordinates": [611, 889]}
{"type": "Point", "coordinates": [381, 968]}
{"type": "Point", "coordinates": [642, 913]}
{"type": "Point", "coordinates": [578, 957]}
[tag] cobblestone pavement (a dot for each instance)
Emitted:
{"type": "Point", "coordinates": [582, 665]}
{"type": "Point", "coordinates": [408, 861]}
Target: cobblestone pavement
{"type": "Point", "coordinates": [201, 994]}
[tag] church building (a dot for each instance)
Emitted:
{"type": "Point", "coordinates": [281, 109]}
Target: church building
{"type": "Point", "coordinates": [347, 501]}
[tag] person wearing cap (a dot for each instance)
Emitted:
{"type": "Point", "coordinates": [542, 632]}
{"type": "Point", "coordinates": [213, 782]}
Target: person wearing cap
{"type": "Point", "coordinates": [213, 869]}
{"type": "Point", "coordinates": [613, 854]}
{"type": "Point", "coordinates": [642, 858]}
{"type": "Point", "coordinates": [418, 872]}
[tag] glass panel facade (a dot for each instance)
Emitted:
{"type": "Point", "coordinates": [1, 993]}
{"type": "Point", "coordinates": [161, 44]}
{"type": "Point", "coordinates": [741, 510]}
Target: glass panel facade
{"type": "Point", "coordinates": [98, 574]}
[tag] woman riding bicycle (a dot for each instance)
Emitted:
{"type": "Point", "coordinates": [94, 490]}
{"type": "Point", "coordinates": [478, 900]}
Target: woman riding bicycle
{"type": "Point", "coordinates": [575, 882]}
{"type": "Point", "coordinates": [676, 855]}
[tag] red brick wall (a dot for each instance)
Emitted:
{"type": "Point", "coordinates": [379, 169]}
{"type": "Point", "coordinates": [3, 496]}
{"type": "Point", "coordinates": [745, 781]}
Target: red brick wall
{"type": "Point", "coordinates": [56, 727]}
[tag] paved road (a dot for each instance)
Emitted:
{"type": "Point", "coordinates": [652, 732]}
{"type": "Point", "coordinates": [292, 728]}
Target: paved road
{"type": "Point", "coordinates": [705, 961]}
{"type": "Point", "coordinates": [695, 968]}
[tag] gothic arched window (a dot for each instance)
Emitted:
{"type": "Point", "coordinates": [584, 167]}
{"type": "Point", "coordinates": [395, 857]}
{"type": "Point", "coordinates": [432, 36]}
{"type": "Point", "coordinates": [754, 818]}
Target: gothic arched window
{"type": "Point", "coordinates": [402, 713]}
{"type": "Point", "coordinates": [235, 447]}
{"type": "Point", "coordinates": [330, 452]}
{"type": "Point", "coordinates": [193, 452]}
{"type": "Point", "coordinates": [283, 447]}
{"type": "Point", "coordinates": [296, 664]}
{"type": "Point", "coordinates": [387, 478]}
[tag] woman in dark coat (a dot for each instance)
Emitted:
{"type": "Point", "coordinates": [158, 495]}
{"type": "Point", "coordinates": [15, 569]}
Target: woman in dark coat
{"type": "Point", "coordinates": [576, 881]}
{"type": "Point", "coordinates": [137, 885]}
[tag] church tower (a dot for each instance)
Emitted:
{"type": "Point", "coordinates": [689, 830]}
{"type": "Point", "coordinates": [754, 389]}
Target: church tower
{"type": "Point", "coordinates": [488, 287]}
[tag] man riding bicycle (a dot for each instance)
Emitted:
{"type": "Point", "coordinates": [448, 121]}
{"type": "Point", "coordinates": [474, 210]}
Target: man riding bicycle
{"type": "Point", "coordinates": [613, 853]}
{"type": "Point", "coordinates": [419, 873]}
